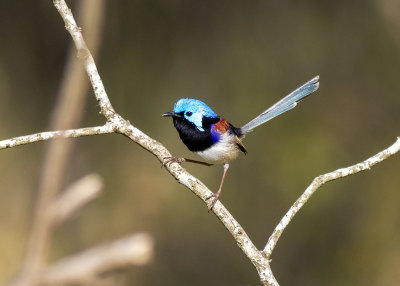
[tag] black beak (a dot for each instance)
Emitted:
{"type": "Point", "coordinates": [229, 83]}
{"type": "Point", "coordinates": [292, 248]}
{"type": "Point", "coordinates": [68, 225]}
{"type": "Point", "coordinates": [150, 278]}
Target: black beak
{"type": "Point", "coordinates": [171, 114]}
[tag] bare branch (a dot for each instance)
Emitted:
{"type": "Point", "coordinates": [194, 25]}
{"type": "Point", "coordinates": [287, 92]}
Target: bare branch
{"type": "Point", "coordinates": [84, 54]}
{"type": "Point", "coordinates": [72, 94]}
{"type": "Point", "coordinates": [75, 197]}
{"type": "Point", "coordinates": [318, 182]}
{"type": "Point", "coordinates": [43, 136]}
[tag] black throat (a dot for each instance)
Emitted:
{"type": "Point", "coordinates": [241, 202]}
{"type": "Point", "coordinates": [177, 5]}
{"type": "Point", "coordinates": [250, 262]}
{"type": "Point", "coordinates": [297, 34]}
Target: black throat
{"type": "Point", "coordinates": [192, 137]}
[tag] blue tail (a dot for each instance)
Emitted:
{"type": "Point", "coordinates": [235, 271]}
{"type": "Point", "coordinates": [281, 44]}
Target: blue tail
{"type": "Point", "coordinates": [285, 104]}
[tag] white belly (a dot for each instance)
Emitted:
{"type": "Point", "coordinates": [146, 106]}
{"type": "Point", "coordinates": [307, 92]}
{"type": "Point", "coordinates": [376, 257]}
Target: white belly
{"type": "Point", "coordinates": [222, 152]}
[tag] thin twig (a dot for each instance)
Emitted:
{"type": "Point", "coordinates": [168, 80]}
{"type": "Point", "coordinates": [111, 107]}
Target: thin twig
{"type": "Point", "coordinates": [72, 95]}
{"type": "Point", "coordinates": [84, 54]}
{"type": "Point", "coordinates": [318, 182]}
{"type": "Point", "coordinates": [43, 136]}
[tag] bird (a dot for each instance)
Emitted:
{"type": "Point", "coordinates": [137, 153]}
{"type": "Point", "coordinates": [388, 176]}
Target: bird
{"type": "Point", "coordinates": [215, 139]}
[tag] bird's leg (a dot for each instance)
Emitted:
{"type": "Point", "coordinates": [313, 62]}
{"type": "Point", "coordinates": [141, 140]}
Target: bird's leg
{"type": "Point", "coordinates": [169, 160]}
{"type": "Point", "coordinates": [216, 195]}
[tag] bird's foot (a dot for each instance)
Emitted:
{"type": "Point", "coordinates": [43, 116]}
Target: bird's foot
{"type": "Point", "coordinates": [215, 196]}
{"type": "Point", "coordinates": [169, 160]}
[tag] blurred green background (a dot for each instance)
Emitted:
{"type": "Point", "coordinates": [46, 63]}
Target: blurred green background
{"type": "Point", "coordinates": [240, 57]}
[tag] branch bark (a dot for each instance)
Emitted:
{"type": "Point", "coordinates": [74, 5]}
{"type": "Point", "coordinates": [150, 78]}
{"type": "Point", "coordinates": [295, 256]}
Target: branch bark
{"type": "Point", "coordinates": [44, 136]}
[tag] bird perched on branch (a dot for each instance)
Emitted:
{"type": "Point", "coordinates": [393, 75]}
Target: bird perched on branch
{"type": "Point", "coordinates": [215, 139]}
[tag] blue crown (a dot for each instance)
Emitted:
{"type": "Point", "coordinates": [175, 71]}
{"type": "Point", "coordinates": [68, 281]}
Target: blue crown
{"type": "Point", "coordinates": [194, 110]}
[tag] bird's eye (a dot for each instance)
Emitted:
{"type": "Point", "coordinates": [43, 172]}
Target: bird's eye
{"type": "Point", "coordinates": [189, 113]}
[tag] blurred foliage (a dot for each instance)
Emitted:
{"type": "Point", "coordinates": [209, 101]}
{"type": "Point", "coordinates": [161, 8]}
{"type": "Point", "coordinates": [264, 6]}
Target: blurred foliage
{"type": "Point", "coordinates": [239, 57]}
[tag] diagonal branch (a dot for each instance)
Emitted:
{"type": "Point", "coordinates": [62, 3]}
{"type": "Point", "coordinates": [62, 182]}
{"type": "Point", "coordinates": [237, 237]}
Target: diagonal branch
{"type": "Point", "coordinates": [318, 182]}
{"type": "Point", "coordinates": [84, 54]}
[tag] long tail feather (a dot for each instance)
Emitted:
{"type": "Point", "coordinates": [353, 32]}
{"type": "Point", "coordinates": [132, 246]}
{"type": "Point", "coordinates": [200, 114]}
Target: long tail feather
{"type": "Point", "coordinates": [285, 104]}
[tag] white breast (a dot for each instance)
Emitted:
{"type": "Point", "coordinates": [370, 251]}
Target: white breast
{"type": "Point", "coordinates": [223, 151]}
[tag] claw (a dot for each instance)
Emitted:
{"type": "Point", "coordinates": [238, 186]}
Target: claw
{"type": "Point", "coordinates": [210, 207]}
{"type": "Point", "coordinates": [169, 160]}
